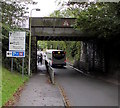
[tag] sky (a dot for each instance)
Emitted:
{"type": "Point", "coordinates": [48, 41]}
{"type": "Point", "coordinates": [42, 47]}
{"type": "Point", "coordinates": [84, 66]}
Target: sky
{"type": "Point", "coordinates": [46, 7]}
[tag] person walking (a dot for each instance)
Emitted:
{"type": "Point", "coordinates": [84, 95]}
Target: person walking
{"type": "Point", "coordinates": [41, 59]}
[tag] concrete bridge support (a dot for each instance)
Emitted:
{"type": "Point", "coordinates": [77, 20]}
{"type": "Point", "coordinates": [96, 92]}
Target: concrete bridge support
{"type": "Point", "coordinates": [92, 57]}
{"type": "Point", "coordinates": [34, 54]}
{"type": "Point", "coordinates": [112, 55]}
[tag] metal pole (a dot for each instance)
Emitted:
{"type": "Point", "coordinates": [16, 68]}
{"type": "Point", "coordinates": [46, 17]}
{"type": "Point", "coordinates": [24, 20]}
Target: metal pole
{"type": "Point", "coordinates": [29, 47]}
{"type": "Point", "coordinates": [22, 67]}
{"type": "Point", "coordinates": [11, 64]}
{"type": "Point", "coordinates": [30, 41]}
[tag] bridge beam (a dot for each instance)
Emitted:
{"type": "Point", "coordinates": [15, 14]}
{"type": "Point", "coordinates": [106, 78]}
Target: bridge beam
{"type": "Point", "coordinates": [57, 28]}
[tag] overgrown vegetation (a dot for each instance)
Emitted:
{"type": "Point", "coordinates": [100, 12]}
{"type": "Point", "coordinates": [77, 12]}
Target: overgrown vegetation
{"type": "Point", "coordinates": [100, 19]}
{"type": "Point", "coordinates": [14, 13]}
{"type": "Point", "coordinates": [10, 83]}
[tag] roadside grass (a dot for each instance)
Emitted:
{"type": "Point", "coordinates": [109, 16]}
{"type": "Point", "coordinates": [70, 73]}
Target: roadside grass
{"type": "Point", "coordinates": [10, 83]}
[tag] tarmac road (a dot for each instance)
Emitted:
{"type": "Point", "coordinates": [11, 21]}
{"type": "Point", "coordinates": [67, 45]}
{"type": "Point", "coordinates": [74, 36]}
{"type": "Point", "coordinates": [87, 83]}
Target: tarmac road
{"type": "Point", "coordinates": [79, 89]}
{"type": "Point", "coordinates": [84, 91]}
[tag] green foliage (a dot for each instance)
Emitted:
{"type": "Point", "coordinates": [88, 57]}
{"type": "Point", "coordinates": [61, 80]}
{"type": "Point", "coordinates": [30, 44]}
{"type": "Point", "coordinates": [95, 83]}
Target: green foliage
{"type": "Point", "coordinates": [10, 83]}
{"type": "Point", "coordinates": [56, 45]}
{"type": "Point", "coordinates": [67, 13]}
{"type": "Point", "coordinates": [51, 45]}
{"type": "Point", "coordinates": [12, 17]}
{"type": "Point", "coordinates": [56, 13]}
{"type": "Point", "coordinates": [41, 44]}
{"type": "Point", "coordinates": [100, 19]}
{"type": "Point", "coordinates": [12, 14]}
{"type": "Point", "coordinates": [73, 49]}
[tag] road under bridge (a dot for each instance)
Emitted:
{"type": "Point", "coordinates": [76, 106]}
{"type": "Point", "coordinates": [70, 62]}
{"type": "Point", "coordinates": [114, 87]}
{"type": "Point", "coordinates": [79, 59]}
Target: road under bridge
{"type": "Point", "coordinates": [61, 29]}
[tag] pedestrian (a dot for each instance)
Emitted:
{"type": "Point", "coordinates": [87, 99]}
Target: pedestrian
{"type": "Point", "coordinates": [41, 58]}
{"type": "Point", "coordinates": [38, 59]}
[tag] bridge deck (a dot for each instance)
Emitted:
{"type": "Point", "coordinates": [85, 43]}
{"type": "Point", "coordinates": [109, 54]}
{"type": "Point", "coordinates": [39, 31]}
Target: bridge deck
{"type": "Point", "coordinates": [47, 28]}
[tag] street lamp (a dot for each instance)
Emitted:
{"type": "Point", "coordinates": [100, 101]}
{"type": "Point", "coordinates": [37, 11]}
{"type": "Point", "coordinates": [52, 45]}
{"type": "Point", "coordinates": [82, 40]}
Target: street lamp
{"type": "Point", "coordinates": [37, 9]}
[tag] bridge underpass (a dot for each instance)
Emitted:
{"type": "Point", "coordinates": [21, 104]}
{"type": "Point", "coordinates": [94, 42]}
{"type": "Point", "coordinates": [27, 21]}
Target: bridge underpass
{"type": "Point", "coordinates": [79, 89]}
{"type": "Point", "coordinates": [61, 29]}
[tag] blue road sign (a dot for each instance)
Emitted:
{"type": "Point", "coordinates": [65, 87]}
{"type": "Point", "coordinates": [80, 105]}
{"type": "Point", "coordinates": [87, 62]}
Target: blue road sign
{"type": "Point", "coordinates": [18, 53]}
{"type": "Point", "coordinates": [15, 53]}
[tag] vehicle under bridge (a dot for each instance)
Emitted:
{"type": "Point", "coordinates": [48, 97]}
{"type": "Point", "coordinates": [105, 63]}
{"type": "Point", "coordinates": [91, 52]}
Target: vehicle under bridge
{"type": "Point", "coordinates": [61, 29]}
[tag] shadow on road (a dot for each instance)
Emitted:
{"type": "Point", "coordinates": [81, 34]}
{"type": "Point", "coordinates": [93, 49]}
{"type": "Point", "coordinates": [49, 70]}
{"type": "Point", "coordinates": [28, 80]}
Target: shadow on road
{"type": "Point", "coordinates": [59, 67]}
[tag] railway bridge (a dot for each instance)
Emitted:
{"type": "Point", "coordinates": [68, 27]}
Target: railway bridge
{"type": "Point", "coordinates": [92, 58]}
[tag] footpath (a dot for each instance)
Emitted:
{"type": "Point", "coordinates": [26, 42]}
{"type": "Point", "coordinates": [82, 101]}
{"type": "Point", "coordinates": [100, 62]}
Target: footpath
{"type": "Point", "coordinates": [40, 92]}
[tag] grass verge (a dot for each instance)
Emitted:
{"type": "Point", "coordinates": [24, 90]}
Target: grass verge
{"type": "Point", "coordinates": [10, 83]}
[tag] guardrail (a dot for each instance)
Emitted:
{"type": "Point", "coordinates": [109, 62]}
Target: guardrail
{"type": "Point", "coordinates": [51, 73]}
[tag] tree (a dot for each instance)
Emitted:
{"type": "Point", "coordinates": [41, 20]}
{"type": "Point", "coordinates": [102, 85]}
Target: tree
{"type": "Point", "coordinates": [100, 19]}
{"type": "Point", "coordinates": [13, 14]}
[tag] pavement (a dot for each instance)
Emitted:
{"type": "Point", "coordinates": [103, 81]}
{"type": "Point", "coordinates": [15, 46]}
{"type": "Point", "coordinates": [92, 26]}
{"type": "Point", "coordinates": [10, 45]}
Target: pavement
{"type": "Point", "coordinates": [38, 91]}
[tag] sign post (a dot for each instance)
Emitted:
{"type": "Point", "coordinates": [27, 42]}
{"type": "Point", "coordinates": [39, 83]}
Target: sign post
{"type": "Point", "coordinates": [11, 64]}
{"type": "Point", "coordinates": [22, 67]}
{"type": "Point", "coordinates": [16, 47]}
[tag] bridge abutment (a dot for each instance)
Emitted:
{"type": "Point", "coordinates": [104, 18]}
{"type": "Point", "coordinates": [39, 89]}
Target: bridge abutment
{"type": "Point", "coordinates": [33, 54]}
{"type": "Point", "coordinates": [92, 57]}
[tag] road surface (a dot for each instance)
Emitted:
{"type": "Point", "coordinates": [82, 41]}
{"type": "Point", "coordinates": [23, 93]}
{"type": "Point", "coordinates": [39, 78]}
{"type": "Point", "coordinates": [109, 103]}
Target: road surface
{"type": "Point", "coordinates": [84, 91]}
